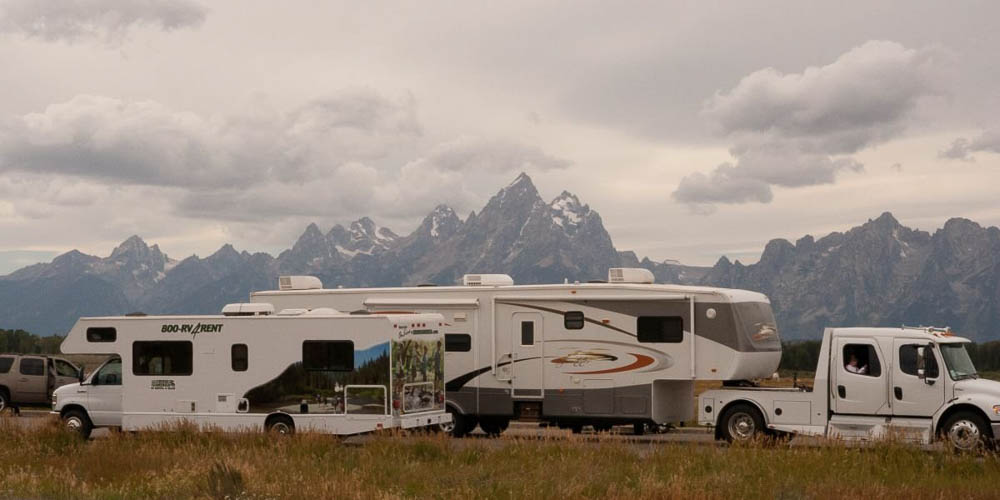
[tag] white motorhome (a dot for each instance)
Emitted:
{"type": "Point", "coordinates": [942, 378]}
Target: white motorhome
{"type": "Point", "coordinates": [248, 369]}
{"type": "Point", "coordinates": [871, 383]}
{"type": "Point", "coordinates": [626, 351]}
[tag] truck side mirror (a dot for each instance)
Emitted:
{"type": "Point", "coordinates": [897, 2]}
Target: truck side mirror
{"type": "Point", "coordinates": [79, 374]}
{"type": "Point", "coordinates": [921, 363]}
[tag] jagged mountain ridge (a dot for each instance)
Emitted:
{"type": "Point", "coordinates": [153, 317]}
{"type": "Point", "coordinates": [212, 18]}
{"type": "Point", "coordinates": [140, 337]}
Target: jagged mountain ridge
{"type": "Point", "coordinates": [880, 273]}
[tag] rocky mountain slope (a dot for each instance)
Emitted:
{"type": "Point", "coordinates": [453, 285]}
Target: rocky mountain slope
{"type": "Point", "coordinates": [880, 273]}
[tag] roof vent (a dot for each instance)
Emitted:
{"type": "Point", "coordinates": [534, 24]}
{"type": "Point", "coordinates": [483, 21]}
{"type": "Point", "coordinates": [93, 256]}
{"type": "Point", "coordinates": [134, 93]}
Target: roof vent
{"type": "Point", "coordinates": [257, 309]}
{"type": "Point", "coordinates": [322, 311]}
{"type": "Point", "coordinates": [630, 275]}
{"type": "Point", "coordinates": [299, 283]}
{"type": "Point", "coordinates": [292, 312]}
{"type": "Point", "coordinates": [487, 280]}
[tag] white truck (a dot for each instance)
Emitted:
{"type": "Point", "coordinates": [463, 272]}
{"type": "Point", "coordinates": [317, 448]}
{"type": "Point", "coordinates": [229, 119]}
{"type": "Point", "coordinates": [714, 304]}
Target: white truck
{"type": "Point", "coordinates": [251, 368]}
{"type": "Point", "coordinates": [871, 383]}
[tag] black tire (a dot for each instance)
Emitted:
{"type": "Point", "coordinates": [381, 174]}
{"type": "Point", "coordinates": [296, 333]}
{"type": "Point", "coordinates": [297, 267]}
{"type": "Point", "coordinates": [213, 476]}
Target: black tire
{"type": "Point", "coordinates": [4, 399]}
{"type": "Point", "coordinates": [576, 428]}
{"type": "Point", "coordinates": [741, 423]}
{"type": "Point", "coordinates": [965, 432]}
{"type": "Point", "coordinates": [493, 427]}
{"type": "Point", "coordinates": [464, 424]}
{"type": "Point", "coordinates": [78, 422]}
{"type": "Point", "coordinates": [639, 428]}
{"type": "Point", "coordinates": [280, 424]}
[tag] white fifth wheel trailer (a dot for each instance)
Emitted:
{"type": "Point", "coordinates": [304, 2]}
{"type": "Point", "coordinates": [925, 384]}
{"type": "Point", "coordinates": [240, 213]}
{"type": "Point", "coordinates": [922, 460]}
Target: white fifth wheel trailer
{"type": "Point", "coordinates": [250, 369]}
{"type": "Point", "coordinates": [625, 351]}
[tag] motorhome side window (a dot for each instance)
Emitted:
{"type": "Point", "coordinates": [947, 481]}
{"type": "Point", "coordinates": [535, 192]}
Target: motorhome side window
{"type": "Point", "coordinates": [32, 366]}
{"type": "Point", "coordinates": [660, 329]}
{"type": "Point", "coordinates": [240, 357]}
{"type": "Point", "coordinates": [457, 342]}
{"type": "Point", "coordinates": [862, 360]}
{"type": "Point", "coordinates": [527, 333]}
{"type": "Point", "coordinates": [328, 355]}
{"type": "Point", "coordinates": [101, 334]}
{"type": "Point", "coordinates": [5, 363]}
{"type": "Point", "coordinates": [169, 357]}
{"type": "Point", "coordinates": [573, 320]}
{"type": "Point", "coordinates": [909, 361]}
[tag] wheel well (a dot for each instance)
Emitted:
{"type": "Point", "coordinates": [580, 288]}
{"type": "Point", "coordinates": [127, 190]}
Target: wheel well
{"type": "Point", "coordinates": [68, 408]}
{"type": "Point", "coordinates": [722, 412]}
{"type": "Point", "coordinates": [963, 408]}
{"type": "Point", "coordinates": [5, 391]}
{"type": "Point", "coordinates": [276, 416]}
{"type": "Point", "coordinates": [454, 406]}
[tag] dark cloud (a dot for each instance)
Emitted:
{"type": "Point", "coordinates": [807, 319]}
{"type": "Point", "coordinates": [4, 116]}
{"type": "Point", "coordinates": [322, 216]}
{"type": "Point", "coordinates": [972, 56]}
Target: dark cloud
{"type": "Point", "coordinates": [796, 129]}
{"type": "Point", "coordinates": [962, 148]}
{"type": "Point", "coordinates": [108, 20]}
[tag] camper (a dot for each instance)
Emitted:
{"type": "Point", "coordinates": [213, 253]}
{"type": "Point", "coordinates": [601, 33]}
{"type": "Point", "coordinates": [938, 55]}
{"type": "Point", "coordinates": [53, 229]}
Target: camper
{"type": "Point", "coordinates": [622, 352]}
{"type": "Point", "coordinates": [253, 369]}
{"type": "Point", "coordinates": [905, 383]}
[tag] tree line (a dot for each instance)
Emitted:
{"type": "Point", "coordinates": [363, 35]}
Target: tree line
{"type": "Point", "coordinates": [22, 342]}
{"type": "Point", "coordinates": [802, 355]}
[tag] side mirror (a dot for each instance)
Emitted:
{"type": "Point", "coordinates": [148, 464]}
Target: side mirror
{"type": "Point", "coordinates": [79, 375]}
{"type": "Point", "coordinates": [921, 362]}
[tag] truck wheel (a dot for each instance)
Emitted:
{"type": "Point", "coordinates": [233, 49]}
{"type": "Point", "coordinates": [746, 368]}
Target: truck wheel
{"type": "Point", "coordinates": [965, 432]}
{"type": "Point", "coordinates": [4, 398]}
{"type": "Point", "coordinates": [741, 423]}
{"type": "Point", "coordinates": [76, 421]}
{"type": "Point", "coordinates": [280, 424]}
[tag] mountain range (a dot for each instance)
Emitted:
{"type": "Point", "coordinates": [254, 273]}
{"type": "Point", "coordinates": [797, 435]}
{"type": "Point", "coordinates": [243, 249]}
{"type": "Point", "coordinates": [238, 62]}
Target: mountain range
{"type": "Point", "coordinates": [879, 273]}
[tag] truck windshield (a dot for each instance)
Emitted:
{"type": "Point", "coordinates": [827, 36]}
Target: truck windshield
{"type": "Point", "coordinates": [957, 359]}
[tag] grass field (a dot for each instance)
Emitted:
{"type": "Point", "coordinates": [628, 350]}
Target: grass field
{"type": "Point", "coordinates": [46, 462]}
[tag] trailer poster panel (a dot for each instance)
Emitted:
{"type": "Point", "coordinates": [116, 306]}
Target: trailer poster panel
{"type": "Point", "coordinates": [332, 389]}
{"type": "Point", "coordinates": [418, 375]}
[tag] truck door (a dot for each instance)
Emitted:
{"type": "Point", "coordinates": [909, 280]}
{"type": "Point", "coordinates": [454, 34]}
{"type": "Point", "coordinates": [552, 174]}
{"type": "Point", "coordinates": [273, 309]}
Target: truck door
{"type": "Point", "coordinates": [528, 338]}
{"type": "Point", "coordinates": [32, 381]}
{"type": "Point", "coordinates": [860, 384]}
{"type": "Point", "coordinates": [911, 395]}
{"type": "Point", "coordinates": [104, 396]}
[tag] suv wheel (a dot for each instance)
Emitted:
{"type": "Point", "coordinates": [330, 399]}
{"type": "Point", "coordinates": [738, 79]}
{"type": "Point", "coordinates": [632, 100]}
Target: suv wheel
{"type": "Point", "coordinates": [76, 421]}
{"type": "Point", "coordinates": [4, 398]}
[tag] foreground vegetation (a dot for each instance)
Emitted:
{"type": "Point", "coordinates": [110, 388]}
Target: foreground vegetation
{"type": "Point", "coordinates": [46, 462]}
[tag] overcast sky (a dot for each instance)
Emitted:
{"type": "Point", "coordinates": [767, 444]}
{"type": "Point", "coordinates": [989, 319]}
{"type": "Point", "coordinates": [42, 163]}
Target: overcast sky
{"type": "Point", "coordinates": [696, 129]}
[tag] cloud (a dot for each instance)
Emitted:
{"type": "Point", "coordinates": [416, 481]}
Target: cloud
{"type": "Point", "coordinates": [797, 129]}
{"type": "Point", "coordinates": [477, 154]}
{"type": "Point", "coordinates": [962, 148]}
{"type": "Point", "coordinates": [108, 20]}
{"type": "Point", "coordinates": [147, 143]}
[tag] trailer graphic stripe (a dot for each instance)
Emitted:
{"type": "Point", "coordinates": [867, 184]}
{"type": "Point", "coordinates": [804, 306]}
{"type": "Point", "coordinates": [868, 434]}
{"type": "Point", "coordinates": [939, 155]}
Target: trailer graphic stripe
{"type": "Point", "coordinates": [460, 381]}
{"type": "Point", "coordinates": [588, 320]}
{"type": "Point", "coordinates": [641, 361]}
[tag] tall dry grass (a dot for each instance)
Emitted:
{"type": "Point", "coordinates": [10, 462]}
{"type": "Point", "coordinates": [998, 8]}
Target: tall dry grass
{"type": "Point", "coordinates": [46, 462]}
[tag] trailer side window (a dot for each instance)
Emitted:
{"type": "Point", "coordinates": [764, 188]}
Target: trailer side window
{"type": "Point", "coordinates": [862, 359]}
{"type": "Point", "coordinates": [328, 355]}
{"type": "Point", "coordinates": [660, 329]}
{"type": "Point", "coordinates": [909, 362]}
{"type": "Point", "coordinates": [457, 342]}
{"type": "Point", "coordinates": [527, 333]}
{"type": "Point", "coordinates": [573, 320]}
{"type": "Point", "coordinates": [162, 357]}
{"type": "Point", "coordinates": [240, 357]}
{"type": "Point", "coordinates": [5, 363]}
{"type": "Point", "coordinates": [32, 366]}
{"type": "Point", "coordinates": [102, 334]}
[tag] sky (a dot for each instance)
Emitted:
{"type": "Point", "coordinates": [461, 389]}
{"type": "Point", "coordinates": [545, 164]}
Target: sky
{"type": "Point", "coordinates": [696, 129]}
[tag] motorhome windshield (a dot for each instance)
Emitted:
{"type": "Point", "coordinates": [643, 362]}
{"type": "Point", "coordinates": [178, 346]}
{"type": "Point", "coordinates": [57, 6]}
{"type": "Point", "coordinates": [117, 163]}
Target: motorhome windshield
{"type": "Point", "coordinates": [957, 359]}
{"type": "Point", "coordinates": [759, 325]}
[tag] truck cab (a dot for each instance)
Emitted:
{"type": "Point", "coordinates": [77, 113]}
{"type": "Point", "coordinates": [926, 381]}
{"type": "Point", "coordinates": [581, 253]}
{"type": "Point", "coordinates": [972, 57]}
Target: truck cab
{"type": "Point", "coordinates": [914, 384]}
{"type": "Point", "coordinates": [95, 401]}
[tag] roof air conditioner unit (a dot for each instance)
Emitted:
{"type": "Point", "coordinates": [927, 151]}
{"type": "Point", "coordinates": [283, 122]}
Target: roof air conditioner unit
{"type": "Point", "coordinates": [247, 309]}
{"type": "Point", "coordinates": [487, 280]}
{"type": "Point", "coordinates": [299, 283]}
{"type": "Point", "coordinates": [630, 275]}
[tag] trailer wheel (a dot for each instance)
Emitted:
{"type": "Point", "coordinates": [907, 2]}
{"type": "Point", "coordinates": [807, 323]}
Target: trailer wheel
{"type": "Point", "coordinates": [965, 432]}
{"type": "Point", "coordinates": [494, 427]}
{"type": "Point", "coordinates": [461, 424]}
{"type": "Point", "coordinates": [741, 423]}
{"type": "Point", "coordinates": [280, 424]}
{"type": "Point", "coordinates": [77, 422]}
{"type": "Point", "coordinates": [639, 428]}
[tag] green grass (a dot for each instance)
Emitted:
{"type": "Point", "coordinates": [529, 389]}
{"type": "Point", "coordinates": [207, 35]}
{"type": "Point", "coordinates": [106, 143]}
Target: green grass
{"type": "Point", "coordinates": [46, 462]}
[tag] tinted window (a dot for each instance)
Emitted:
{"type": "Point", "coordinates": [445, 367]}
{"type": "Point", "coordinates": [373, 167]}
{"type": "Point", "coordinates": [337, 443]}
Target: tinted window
{"type": "Point", "coordinates": [101, 334]}
{"type": "Point", "coordinates": [527, 333]}
{"type": "Point", "coordinates": [5, 363]}
{"type": "Point", "coordinates": [660, 329]}
{"type": "Point", "coordinates": [457, 342]}
{"type": "Point", "coordinates": [573, 320]}
{"type": "Point", "coordinates": [171, 357]}
{"type": "Point", "coordinates": [861, 359]}
{"type": "Point", "coordinates": [110, 374]}
{"type": "Point", "coordinates": [328, 356]}
{"type": "Point", "coordinates": [240, 357]}
{"type": "Point", "coordinates": [909, 362]}
{"type": "Point", "coordinates": [32, 366]}
{"type": "Point", "coordinates": [64, 369]}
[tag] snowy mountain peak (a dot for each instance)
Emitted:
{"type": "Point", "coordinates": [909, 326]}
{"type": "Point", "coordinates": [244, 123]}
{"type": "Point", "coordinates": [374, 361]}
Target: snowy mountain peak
{"type": "Point", "coordinates": [567, 210]}
{"type": "Point", "coordinates": [441, 223]}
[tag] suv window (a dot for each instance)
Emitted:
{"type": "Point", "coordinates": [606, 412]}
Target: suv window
{"type": "Point", "coordinates": [110, 374]}
{"type": "Point", "coordinates": [861, 359]}
{"type": "Point", "coordinates": [5, 363]}
{"type": "Point", "coordinates": [909, 361]}
{"type": "Point", "coordinates": [64, 369]}
{"type": "Point", "coordinates": [32, 366]}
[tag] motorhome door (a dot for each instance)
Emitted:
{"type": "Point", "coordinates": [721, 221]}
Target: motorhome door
{"type": "Point", "coordinates": [528, 338]}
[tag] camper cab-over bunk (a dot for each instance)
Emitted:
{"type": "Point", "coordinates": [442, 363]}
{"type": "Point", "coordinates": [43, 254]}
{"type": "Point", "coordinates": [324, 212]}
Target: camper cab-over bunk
{"type": "Point", "coordinates": [626, 351]}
